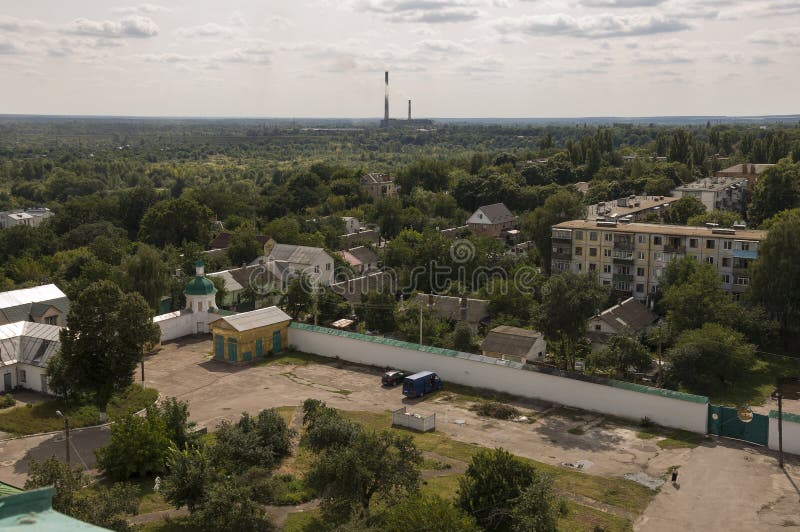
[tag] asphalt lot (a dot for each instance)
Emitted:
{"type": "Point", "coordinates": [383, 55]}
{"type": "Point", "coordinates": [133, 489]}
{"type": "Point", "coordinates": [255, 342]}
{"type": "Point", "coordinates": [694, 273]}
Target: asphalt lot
{"type": "Point", "coordinates": [723, 485]}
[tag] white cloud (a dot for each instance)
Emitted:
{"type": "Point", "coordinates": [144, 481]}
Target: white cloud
{"type": "Point", "coordinates": [130, 26]}
{"type": "Point", "coordinates": [141, 9]}
{"type": "Point", "coordinates": [211, 29]}
{"type": "Point", "coordinates": [13, 24]}
{"type": "Point", "coordinates": [590, 27]}
{"type": "Point", "coordinates": [621, 3]}
{"type": "Point", "coordinates": [8, 47]}
{"type": "Point", "coordinates": [780, 37]}
{"type": "Point", "coordinates": [426, 11]}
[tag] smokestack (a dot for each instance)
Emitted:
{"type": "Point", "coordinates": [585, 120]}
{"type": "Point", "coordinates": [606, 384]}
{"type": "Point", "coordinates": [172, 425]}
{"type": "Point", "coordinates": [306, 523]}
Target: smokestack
{"type": "Point", "coordinates": [409, 109]}
{"type": "Point", "coordinates": [386, 100]}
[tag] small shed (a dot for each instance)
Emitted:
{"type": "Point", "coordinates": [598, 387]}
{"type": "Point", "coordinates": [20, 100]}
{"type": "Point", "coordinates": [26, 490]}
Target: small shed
{"type": "Point", "coordinates": [249, 336]}
{"type": "Point", "coordinates": [514, 343]}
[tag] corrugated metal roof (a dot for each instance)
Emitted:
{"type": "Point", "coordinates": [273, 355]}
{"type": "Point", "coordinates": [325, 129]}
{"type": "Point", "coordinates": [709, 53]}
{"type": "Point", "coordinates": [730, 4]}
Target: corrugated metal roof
{"type": "Point", "coordinates": [256, 318]}
{"type": "Point", "coordinates": [28, 343]}
{"type": "Point", "coordinates": [231, 284]}
{"type": "Point", "coordinates": [26, 296]}
{"type": "Point", "coordinates": [510, 340]}
{"type": "Point", "coordinates": [295, 254]}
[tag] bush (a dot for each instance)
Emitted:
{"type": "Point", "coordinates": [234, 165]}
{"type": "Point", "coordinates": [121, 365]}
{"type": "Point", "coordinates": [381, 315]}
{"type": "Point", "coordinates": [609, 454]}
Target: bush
{"type": "Point", "coordinates": [496, 410]}
{"type": "Point", "coordinates": [138, 446]}
{"type": "Point", "coordinates": [7, 401]}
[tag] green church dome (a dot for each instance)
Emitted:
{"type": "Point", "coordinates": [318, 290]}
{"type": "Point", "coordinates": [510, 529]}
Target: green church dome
{"type": "Point", "coordinates": [199, 286]}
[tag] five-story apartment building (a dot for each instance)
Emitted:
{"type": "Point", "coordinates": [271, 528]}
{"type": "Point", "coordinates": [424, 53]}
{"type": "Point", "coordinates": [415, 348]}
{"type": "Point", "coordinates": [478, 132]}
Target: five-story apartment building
{"type": "Point", "coordinates": [632, 257]}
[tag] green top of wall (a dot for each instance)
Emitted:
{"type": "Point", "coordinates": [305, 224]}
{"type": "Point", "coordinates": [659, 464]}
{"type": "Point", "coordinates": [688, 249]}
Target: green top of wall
{"type": "Point", "coordinates": [33, 510]}
{"type": "Point", "coordinates": [787, 416]}
{"type": "Point", "coordinates": [670, 394]}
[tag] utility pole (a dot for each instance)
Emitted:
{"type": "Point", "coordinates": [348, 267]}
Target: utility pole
{"type": "Point", "coordinates": [142, 366]}
{"type": "Point", "coordinates": [420, 325]}
{"type": "Point", "coordinates": [66, 431]}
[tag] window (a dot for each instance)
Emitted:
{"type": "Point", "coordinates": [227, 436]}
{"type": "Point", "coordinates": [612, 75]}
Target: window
{"type": "Point", "coordinates": [316, 268]}
{"type": "Point", "coordinates": [51, 320]}
{"type": "Point", "coordinates": [726, 262]}
{"type": "Point", "coordinates": [593, 236]}
{"type": "Point", "coordinates": [592, 267]}
{"type": "Point", "coordinates": [692, 242]}
{"type": "Point", "coordinates": [580, 266]}
{"type": "Point", "coordinates": [624, 270]}
{"type": "Point", "coordinates": [578, 251]}
{"type": "Point", "coordinates": [658, 256]}
{"type": "Point", "coordinates": [742, 281]}
{"type": "Point", "coordinates": [606, 268]}
{"type": "Point", "coordinates": [592, 252]}
{"type": "Point", "coordinates": [641, 255]}
{"type": "Point", "coordinates": [656, 240]}
{"type": "Point", "coordinates": [640, 288]}
{"type": "Point", "coordinates": [597, 327]}
{"type": "Point", "coordinates": [709, 260]}
{"type": "Point", "coordinates": [578, 235]}
{"type": "Point", "coordinates": [726, 279]}
{"type": "Point", "coordinates": [727, 244]}
{"type": "Point", "coordinates": [640, 273]}
{"type": "Point", "coordinates": [23, 377]}
{"type": "Point", "coordinates": [642, 239]}
{"type": "Point", "coordinates": [199, 306]}
{"type": "Point", "coordinates": [328, 267]}
{"type": "Point", "coordinates": [606, 283]}
{"type": "Point", "coordinates": [608, 237]}
{"type": "Point", "coordinates": [606, 252]}
{"type": "Point", "coordinates": [745, 246]}
{"type": "Point", "coordinates": [711, 244]}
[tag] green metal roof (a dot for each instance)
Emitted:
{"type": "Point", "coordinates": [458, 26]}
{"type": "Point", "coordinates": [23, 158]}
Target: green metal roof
{"type": "Point", "coordinates": [671, 394]}
{"type": "Point", "coordinates": [787, 416]}
{"type": "Point", "coordinates": [8, 489]}
{"type": "Point", "coordinates": [33, 510]}
{"type": "Point", "coordinates": [199, 286]}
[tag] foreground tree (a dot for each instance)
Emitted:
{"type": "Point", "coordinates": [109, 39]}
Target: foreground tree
{"type": "Point", "coordinates": [107, 334]}
{"type": "Point", "coordinates": [252, 442]}
{"type": "Point", "coordinates": [622, 352]}
{"type": "Point", "coordinates": [681, 210]}
{"type": "Point", "coordinates": [538, 508]}
{"type": "Point", "coordinates": [189, 475]}
{"type": "Point", "coordinates": [777, 189]}
{"type": "Point", "coordinates": [227, 506]}
{"type": "Point", "coordinates": [138, 446]}
{"type": "Point", "coordinates": [427, 512]}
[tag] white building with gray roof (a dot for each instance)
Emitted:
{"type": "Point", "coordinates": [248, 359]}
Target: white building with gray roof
{"type": "Point", "coordinates": [25, 350]}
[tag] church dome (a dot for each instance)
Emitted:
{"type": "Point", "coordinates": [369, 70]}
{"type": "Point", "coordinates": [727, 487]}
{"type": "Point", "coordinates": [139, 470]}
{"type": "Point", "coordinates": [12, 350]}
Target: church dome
{"type": "Point", "coordinates": [200, 286]}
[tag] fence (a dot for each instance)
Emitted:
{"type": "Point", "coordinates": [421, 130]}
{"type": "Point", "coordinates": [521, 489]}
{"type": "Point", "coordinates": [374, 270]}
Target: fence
{"type": "Point", "coordinates": [402, 418]}
{"type": "Point", "coordinates": [621, 399]}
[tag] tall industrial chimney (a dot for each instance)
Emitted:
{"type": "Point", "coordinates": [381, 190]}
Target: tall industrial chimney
{"type": "Point", "coordinates": [409, 109]}
{"type": "Point", "coordinates": [386, 100]}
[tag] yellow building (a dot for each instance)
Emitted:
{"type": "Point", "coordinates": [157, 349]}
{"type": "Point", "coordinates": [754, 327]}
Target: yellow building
{"type": "Point", "coordinates": [249, 336]}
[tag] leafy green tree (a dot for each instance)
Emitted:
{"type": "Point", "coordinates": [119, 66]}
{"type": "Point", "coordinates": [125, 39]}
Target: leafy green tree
{"type": "Point", "coordinates": [462, 337]}
{"type": "Point", "coordinates": [325, 427]}
{"type": "Point", "coordinates": [561, 206]}
{"type": "Point", "coordinates": [252, 442]}
{"type": "Point", "coordinates": [298, 299]}
{"type": "Point", "coordinates": [710, 357]}
{"type": "Point", "coordinates": [375, 463]}
{"type": "Point", "coordinates": [228, 506]}
{"type": "Point", "coordinates": [138, 446]}
{"type": "Point", "coordinates": [377, 311]}
{"type": "Point", "coordinates": [775, 274]}
{"type": "Point", "coordinates": [108, 331]}
{"type": "Point", "coordinates": [680, 146]}
{"type": "Point", "coordinates": [244, 248]}
{"type": "Point", "coordinates": [189, 474]}
{"type": "Point", "coordinates": [66, 479]}
{"type": "Point", "coordinates": [681, 210]}
{"type": "Point", "coordinates": [538, 508]}
{"type": "Point", "coordinates": [494, 480]}
{"type": "Point", "coordinates": [176, 221]}
{"type": "Point", "coordinates": [434, 330]}
{"type": "Point", "coordinates": [109, 507]}
{"type": "Point", "coordinates": [621, 353]}
{"type": "Point", "coordinates": [777, 189]}
{"type": "Point", "coordinates": [568, 301]}
{"type": "Point", "coordinates": [176, 417]}
{"type": "Point", "coordinates": [723, 218]}
{"type": "Point", "coordinates": [427, 512]}
{"type": "Point", "coordinates": [693, 295]}
{"type": "Point", "coordinates": [147, 274]}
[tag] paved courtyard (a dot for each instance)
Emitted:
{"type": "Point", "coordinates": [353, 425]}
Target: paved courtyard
{"type": "Point", "coordinates": [723, 485]}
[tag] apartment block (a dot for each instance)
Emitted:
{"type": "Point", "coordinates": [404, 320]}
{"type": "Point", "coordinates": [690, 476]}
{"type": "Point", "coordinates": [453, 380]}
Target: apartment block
{"type": "Point", "coordinates": [717, 193]}
{"type": "Point", "coordinates": [632, 257]}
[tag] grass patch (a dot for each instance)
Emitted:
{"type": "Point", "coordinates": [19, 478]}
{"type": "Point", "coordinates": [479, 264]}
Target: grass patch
{"type": "Point", "coordinates": [304, 522]}
{"type": "Point", "coordinates": [149, 500]}
{"type": "Point", "coordinates": [287, 490]}
{"type": "Point", "coordinates": [622, 493]}
{"type": "Point", "coordinates": [577, 431]}
{"type": "Point", "coordinates": [758, 383]}
{"type": "Point", "coordinates": [430, 464]}
{"type": "Point", "coordinates": [169, 524]}
{"type": "Point", "coordinates": [343, 392]}
{"type": "Point", "coordinates": [581, 518]}
{"type": "Point", "coordinates": [41, 417]}
{"type": "Point", "coordinates": [496, 410]}
{"type": "Point", "coordinates": [671, 438]}
{"type": "Point", "coordinates": [287, 413]}
{"type": "Point", "coordinates": [294, 358]}
{"type": "Point", "coordinates": [445, 487]}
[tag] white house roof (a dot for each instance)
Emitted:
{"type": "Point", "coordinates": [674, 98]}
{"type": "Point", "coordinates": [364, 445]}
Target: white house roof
{"type": "Point", "coordinates": [295, 254]}
{"type": "Point", "coordinates": [231, 284]}
{"type": "Point", "coordinates": [495, 213]}
{"type": "Point", "coordinates": [24, 296]}
{"type": "Point", "coordinates": [28, 343]}
{"type": "Point", "coordinates": [255, 318]}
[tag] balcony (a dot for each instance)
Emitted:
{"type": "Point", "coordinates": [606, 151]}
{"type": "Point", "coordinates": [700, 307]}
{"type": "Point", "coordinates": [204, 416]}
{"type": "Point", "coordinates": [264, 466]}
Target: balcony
{"type": "Point", "coordinates": [623, 245]}
{"type": "Point", "coordinates": [622, 278]}
{"type": "Point", "coordinates": [742, 254]}
{"type": "Point", "coordinates": [623, 262]}
{"type": "Point", "coordinates": [669, 248]}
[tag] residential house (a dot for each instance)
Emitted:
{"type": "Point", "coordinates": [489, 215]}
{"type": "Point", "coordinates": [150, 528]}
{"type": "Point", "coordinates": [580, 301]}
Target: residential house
{"type": "Point", "coordinates": [628, 317]}
{"type": "Point", "coordinates": [631, 257]}
{"type": "Point", "coordinates": [513, 343]}
{"type": "Point", "coordinates": [25, 350]}
{"type": "Point", "coordinates": [251, 335]}
{"type": "Point", "coordinates": [378, 185]}
{"type": "Point", "coordinates": [249, 287]}
{"type": "Point", "coordinates": [224, 238]}
{"type": "Point", "coordinates": [32, 217]}
{"type": "Point", "coordinates": [631, 208]}
{"type": "Point", "coordinates": [475, 312]}
{"type": "Point", "coordinates": [351, 224]}
{"type": "Point", "coordinates": [362, 259]}
{"type": "Point", "coordinates": [293, 260]}
{"type": "Point", "coordinates": [717, 193]}
{"type": "Point", "coordinates": [371, 236]}
{"type": "Point", "coordinates": [40, 304]}
{"type": "Point", "coordinates": [747, 171]}
{"type": "Point", "coordinates": [492, 220]}
{"type": "Point", "coordinates": [352, 290]}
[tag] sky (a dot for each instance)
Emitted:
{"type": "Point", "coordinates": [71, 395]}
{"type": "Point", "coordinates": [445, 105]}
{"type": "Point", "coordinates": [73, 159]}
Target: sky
{"type": "Point", "coordinates": [453, 58]}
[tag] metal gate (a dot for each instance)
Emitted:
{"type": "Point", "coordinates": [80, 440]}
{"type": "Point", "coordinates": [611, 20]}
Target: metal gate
{"type": "Point", "coordinates": [725, 421]}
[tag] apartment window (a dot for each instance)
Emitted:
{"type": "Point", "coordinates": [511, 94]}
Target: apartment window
{"type": "Point", "coordinates": [606, 252]}
{"type": "Point", "coordinates": [606, 268]}
{"type": "Point", "coordinates": [593, 236]}
{"type": "Point", "coordinates": [709, 260]}
{"type": "Point", "coordinates": [640, 273]}
{"type": "Point", "coordinates": [51, 320]}
{"type": "Point", "coordinates": [606, 283]}
{"type": "Point", "coordinates": [608, 237]}
{"type": "Point", "coordinates": [592, 252]}
{"type": "Point", "coordinates": [578, 250]}
{"type": "Point", "coordinates": [657, 241]}
{"type": "Point", "coordinates": [710, 244]}
{"type": "Point", "coordinates": [624, 270]}
{"type": "Point", "coordinates": [726, 279]}
{"type": "Point", "coordinates": [658, 256]}
{"type": "Point", "coordinates": [640, 288]}
{"type": "Point", "coordinates": [641, 255]}
{"type": "Point", "coordinates": [726, 262]}
{"type": "Point", "coordinates": [23, 377]}
{"type": "Point", "coordinates": [642, 239]}
{"type": "Point", "coordinates": [592, 267]}
{"type": "Point", "coordinates": [742, 281]}
{"type": "Point", "coordinates": [745, 246]}
{"type": "Point", "coordinates": [727, 244]}
{"type": "Point", "coordinates": [328, 266]}
{"type": "Point", "coordinates": [597, 327]}
{"type": "Point", "coordinates": [659, 272]}
{"type": "Point", "coordinates": [316, 268]}
{"type": "Point", "coordinates": [692, 242]}
{"type": "Point", "coordinates": [578, 235]}
{"type": "Point", "coordinates": [580, 266]}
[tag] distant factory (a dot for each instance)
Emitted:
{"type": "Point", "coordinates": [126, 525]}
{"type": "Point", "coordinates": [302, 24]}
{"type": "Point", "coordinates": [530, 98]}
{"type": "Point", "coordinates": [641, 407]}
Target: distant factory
{"type": "Point", "coordinates": [396, 122]}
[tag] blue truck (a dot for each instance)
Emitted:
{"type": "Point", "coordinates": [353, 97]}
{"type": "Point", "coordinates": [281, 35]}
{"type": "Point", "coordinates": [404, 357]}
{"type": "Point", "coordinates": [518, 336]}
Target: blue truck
{"type": "Point", "coordinates": [419, 384]}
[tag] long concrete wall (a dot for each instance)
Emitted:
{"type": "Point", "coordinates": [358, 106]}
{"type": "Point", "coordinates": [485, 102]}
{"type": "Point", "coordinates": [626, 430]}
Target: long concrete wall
{"type": "Point", "coordinates": [670, 409]}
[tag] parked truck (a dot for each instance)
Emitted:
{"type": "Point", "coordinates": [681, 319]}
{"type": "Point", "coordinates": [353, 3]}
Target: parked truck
{"type": "Point", "coordinates": [419, 384]}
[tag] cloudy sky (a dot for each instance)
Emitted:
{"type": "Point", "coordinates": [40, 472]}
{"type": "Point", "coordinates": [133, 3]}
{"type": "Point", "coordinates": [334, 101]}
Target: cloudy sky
{"type": "Point", "coordinates": [454, 58]}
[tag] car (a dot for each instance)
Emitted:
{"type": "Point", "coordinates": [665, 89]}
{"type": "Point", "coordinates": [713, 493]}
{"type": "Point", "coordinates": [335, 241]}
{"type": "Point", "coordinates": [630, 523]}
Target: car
{"type": "Point", "coordinates": [392, 378]}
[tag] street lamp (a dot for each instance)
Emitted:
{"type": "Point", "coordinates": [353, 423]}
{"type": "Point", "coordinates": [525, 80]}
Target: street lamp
{"type": "Point", "coordinates": [66, 431]}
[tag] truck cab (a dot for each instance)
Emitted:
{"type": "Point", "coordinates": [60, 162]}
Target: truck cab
{"type": "Point", "coordinates": [421, 383]}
